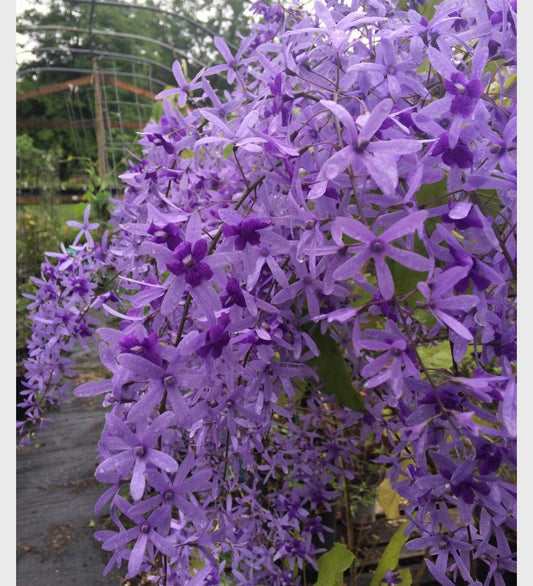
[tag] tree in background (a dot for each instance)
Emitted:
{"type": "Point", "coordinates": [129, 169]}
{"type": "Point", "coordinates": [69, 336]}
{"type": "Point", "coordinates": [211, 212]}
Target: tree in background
{"type": "Point", "coordinates": [135, 43]}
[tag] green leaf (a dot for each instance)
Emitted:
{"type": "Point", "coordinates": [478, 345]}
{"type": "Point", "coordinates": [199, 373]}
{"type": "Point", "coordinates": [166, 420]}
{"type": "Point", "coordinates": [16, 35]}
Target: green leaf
{"type": "Point", "coordinates": [425, 317]}
{"type": "Point", "coordinates": [187, 153]}
{"type": "Point", "coordinates": [332, 565]}
{"type": "Point", "coordinates": [228, 150]}
{"type": "Point", "coordinates": [427, 9]}
{"type": "Point", "coordinates": [439, 356]}
{"type": "Point", "coordinates": [331, 369]}
{"type": "Point", "coordinates": [405, 575]}
{"type": "Point", "coordinates": [429, 194]}
{"type": "Point", "coordinates": [406, 281]}
{"type": "Point", "coordinates": [391, 556]}
{"type": "Point", "coordinates": [157, 110]}
{"type": "Point", "coordinates": [389, 500]}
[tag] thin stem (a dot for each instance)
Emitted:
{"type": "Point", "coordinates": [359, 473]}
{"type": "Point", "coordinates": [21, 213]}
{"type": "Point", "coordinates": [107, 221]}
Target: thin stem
{"type": "Point", "coordinates": [211, 248]}
{"type": "Point", "coordinates": [350, 541]}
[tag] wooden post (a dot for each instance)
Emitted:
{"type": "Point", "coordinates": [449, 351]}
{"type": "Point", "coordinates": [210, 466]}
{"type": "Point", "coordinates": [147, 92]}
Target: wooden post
{"type": "Point", "coordinates": [99, 122]}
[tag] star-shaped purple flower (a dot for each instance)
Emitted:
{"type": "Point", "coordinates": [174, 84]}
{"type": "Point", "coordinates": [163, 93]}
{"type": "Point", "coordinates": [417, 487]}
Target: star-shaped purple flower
{"type": "Point", "coordinates": [378, 248]}
{"type": "Point", "coordinates": [189, 262]}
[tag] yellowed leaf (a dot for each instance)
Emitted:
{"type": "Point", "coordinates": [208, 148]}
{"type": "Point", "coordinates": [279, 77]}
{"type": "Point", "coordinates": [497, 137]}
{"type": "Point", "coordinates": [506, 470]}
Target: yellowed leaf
{"type": "Point", "coordinates": [389, 500]}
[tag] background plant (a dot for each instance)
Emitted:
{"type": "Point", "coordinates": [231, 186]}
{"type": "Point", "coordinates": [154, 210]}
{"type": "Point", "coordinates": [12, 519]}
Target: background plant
{"type": "Point", "coordinates": [319, 261]}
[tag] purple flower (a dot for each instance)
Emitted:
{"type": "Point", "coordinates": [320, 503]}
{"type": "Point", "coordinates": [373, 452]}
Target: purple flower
{"type": "Point", "coordinates": [85, 227]}
{"type": "Point", "coordinates": [146, 532]}
{"type": "Point", "coordinates": [391, 578]}
{"type": "Point", "coordinates": [216, 338]}
{"type": "Point", "coordinates": [233, 294]}
{"type": "Point", "coordinates": [489, 457]}
{"type": "Point", "coordinates": [466, 93]}
{"type": "Point", "coordinates": [464, 484]}
{"type": "Point", "coordinates": [355, 178]}
{"type": "Point", "coordinates": [457, 156]}
{"type": "Point", "coordinates": [378, 158]}
{"type": "Point", "coordinates": [232, 62]}
{"type": "Point", "coordinates": [246, 232]}
{"type": "Point", "coordinates": [80, 286]}
{"type": "Point", "coordinates": [480, 275]}
{"type": "Point", "coordinates": [394, 68]}
{"type": "Point", "coordinates": [159, 140]}
{"type": "Point", "coordinates": [446, 306]}
{"type": "Point", "coordinates": [146, 346]}
{"type": "Point", "coordinates": [131, 453]}
{"type": "Point", "coordinates": [463, 215]}
{"type": "Point", "coordinates": [184, 89]}
{"type": "Point", "coordinates": [169, 234]}
{"type": "Point", "coordinates": [389, 366]}
{"type": "Point", "coordinates": [379, 248]}
{"type": "Point", "coordinates": [444, 547]}
{"type": "Point", "coordinates": [188, 262]}
{"type": "Point", "coordinates": [177, 488]}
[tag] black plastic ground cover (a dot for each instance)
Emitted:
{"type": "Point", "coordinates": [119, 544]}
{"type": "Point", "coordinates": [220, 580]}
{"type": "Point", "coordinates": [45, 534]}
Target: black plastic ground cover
{"type": "Point", "coordinates": [56, 494]}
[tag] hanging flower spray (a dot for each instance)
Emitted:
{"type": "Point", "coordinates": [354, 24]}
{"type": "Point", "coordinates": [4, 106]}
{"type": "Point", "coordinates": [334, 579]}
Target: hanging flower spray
{"type": "Point", "coordinates": [319, 259]}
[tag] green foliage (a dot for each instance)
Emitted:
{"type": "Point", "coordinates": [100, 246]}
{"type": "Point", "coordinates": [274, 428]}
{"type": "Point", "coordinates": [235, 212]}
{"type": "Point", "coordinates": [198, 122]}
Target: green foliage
{"type": "Point", "coordinates": [334, 376]}
{"type": "Point", "coordinates": [36, 231]}
{"type": "Point", "coordinates": [406, 280]}
{"type": "Point", "coordinates": [39, 228]}
{"type": "Point", "coordinates": [98, 193]}
{"type": "Point", "coordinates": [437, 357]}
{"type": "Point", "coordinates": [37, 168]}
{"type": "Point", "coordinates": [440, 357]}
{"type": "Point", "coordinates": [405, 575]}
{"type": "Point", "coordinates": [391, 556]}
{"type": "Point", "coordinates": [333, 564]}
{"type": "Point", "coordinates": [427, 9]}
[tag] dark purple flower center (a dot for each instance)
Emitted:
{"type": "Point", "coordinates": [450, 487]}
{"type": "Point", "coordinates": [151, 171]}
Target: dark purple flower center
{"type": "Point", "coordinates": [189, 262]}
{"type": "Point", "coordinates": [246, 232]}
{"type": "Point", "coordinates": [139, 451]}
{"type": "Point", "coordinates": [377, 246]}
{"type": "Point", "coordinates": [216, 338]}
{"type": "Point", "coordinates": [233, 295]}
{"type": "Point", "coordinates": [361, 144]}
{"type": "Point", "coordinates": [170, 380]}
{"type": "Point", "coordinates": [80, 286]}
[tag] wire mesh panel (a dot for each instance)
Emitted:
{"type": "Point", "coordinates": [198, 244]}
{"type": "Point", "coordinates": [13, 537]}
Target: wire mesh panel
{"type": "Point", "coordinates": [111, 98]}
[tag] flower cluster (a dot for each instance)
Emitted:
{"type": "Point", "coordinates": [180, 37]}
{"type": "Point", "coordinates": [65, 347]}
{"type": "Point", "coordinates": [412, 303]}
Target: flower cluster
{"type": "Point", "coordinates": [68, 292]}
{"type": "Point", "coordinates": [321, 256]}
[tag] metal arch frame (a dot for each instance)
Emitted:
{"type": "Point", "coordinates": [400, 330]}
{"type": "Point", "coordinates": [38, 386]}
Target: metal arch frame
{"type": "Point", "coordinates": [89, 71]}
{"type": "Point", "coordinates": [93, 32]}
{"type": "Point", "coordinates": [122, 56]}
